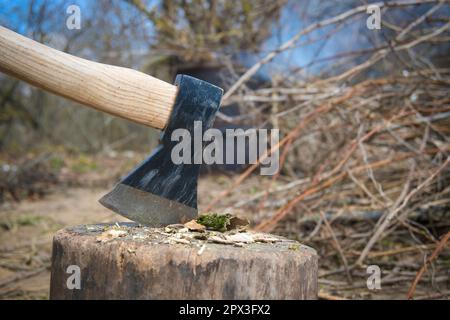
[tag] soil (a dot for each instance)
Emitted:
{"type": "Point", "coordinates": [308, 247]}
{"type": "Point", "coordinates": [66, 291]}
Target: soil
{"type": "Point", "coordinates": [26, 233]}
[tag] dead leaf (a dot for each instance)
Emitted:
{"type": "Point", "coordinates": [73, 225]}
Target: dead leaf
{"type": "Point", "coordinates": [195, 226]}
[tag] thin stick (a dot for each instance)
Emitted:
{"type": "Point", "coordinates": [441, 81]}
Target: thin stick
{"type": "Point", "coordinates": [294, 133]}
{"type": "Point", "coordinates": [422, 270]}
{"type": "Point", "coordinates": [394, 212]}
{"type": "Point", "coordinates": [337, 245]}
{"type": "Point", "coordinates": [318, 25]}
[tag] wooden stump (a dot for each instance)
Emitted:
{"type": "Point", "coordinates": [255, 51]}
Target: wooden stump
{"type": "Point", "coordinates": [131, 262]}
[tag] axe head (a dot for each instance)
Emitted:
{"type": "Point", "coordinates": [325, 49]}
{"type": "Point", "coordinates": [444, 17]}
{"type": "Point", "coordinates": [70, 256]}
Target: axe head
{"type": "Point", "coordinates": [159, 192]}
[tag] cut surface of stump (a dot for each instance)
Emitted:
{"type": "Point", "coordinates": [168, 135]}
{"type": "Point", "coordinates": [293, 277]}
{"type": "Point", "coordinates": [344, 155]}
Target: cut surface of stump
{"type": "Point", "coordinates": [128, 261]}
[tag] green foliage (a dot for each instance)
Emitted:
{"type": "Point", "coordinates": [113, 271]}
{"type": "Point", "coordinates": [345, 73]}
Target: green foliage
{"type": "Point", "coordinates": [26, 220]}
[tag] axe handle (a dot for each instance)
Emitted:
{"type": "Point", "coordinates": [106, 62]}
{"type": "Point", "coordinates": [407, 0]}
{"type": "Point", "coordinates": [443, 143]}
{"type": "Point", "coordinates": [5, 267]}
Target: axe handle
{"type": "Point", "coordinates": [123, 92]}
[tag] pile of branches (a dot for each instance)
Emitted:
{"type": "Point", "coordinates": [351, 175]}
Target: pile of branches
{"type": "Point", "coordinates": [364, 160]}
{"type": "Point", "coordinates": [28, 178]}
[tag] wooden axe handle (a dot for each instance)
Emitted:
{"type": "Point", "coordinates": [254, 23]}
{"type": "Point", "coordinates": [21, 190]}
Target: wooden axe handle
{"type": "Point", "coordinates": [123, 92]}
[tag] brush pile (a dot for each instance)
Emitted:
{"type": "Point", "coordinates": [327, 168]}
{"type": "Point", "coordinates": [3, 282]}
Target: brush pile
{"type": "Point", "coordinates": [364, 161]}
{"type": "Point", "coordinates": [31, 178]}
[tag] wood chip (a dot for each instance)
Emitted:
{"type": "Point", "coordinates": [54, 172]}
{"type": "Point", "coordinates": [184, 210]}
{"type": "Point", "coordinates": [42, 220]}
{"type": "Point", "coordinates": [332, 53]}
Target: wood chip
{"type": "Point", "coordinates": [175, 226]}
{"type": "Point", "coordinates": [261, 237]}
{"type": "Point", "coordinates": [183, 241]}
{"type": "Point", "coordinates": [220, 240]}
{"type": "Point", "coordinates": [110, 235]}
{"type": "Point", "coordinates": [187, 235]}
{"type": "Point", "coordinates": [241, 237]}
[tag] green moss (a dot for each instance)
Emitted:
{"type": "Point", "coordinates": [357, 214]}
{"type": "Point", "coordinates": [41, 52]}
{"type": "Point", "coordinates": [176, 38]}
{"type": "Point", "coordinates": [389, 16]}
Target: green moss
{"type": "Point", "coordinates": [214, 221]}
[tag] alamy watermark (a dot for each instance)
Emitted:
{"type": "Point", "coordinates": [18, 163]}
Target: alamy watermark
{"type": "Point", "coordinates": [374, 20]}
{"type": "Point", "coordinates": [240, 146]}
{"type": "Point", "coordinates": [74, 280]}
{"type": "Point", "coordinates": [73, 21]}
{"type": "Point", "coordinates": [374, 280]}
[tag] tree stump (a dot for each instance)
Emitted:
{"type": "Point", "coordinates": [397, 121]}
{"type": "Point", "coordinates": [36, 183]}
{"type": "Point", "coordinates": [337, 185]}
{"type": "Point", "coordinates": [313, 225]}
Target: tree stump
{"type": "Point", "coordinates": [127, 261]}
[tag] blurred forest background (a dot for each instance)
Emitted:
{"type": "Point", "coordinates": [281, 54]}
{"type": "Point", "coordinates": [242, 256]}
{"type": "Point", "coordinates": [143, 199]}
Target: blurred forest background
{"type": "Point", "coordinates": [364, 119]}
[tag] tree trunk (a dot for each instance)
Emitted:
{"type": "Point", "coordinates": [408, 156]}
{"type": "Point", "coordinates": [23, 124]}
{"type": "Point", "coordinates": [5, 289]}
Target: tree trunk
{"type": "Point", "coordinates": [145, 263]}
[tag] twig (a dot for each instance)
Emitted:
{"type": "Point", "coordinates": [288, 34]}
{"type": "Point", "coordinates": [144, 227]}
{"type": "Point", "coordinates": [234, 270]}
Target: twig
{"type": "Point", "coordinates": [327, 296]}
{"type": "Point", "coordinates": [291, 42]}
{"type": "Point", "coordinates": [392, 214]}
{"type": "Point", "coordinates": [22, 276]}
{"type": "Point", "coordinates": [338, 246]}
{"type": "Point", "coordinates": [422, 270]}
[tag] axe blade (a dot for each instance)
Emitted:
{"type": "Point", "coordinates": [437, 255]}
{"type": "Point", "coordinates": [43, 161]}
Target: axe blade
{"type": "Point", "coordinates": [159, 192]}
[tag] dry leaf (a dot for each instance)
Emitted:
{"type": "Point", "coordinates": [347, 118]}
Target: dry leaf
{"type": "Point", "coordinates": [195, 226]}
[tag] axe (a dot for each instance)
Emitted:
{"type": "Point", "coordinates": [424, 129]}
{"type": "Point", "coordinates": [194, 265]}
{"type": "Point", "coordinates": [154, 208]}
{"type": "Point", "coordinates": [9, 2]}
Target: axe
{"type": "Point", "coordinates": [157, 192]}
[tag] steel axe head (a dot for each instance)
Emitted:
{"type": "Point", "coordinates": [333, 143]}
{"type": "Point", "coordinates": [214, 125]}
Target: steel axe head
{"type": "Point", "coordinates": [159, 192]}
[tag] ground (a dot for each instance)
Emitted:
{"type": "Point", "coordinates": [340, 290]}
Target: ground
{"type": "Point", "coordinates": [26, 246]}
{"type": "Point", "coordinates": [27, 228]}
